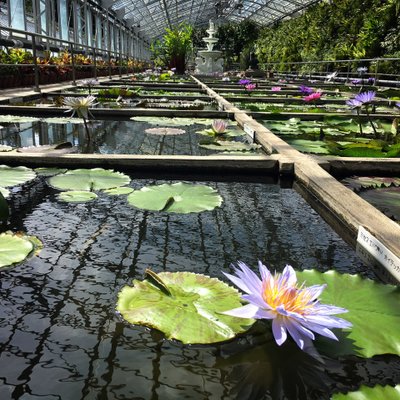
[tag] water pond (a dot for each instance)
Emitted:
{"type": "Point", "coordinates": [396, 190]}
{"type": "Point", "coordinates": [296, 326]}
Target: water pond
{"type": "Point", "coordinates": [60, 337]}
{"type": "Point", "coordinates": [120, 137]}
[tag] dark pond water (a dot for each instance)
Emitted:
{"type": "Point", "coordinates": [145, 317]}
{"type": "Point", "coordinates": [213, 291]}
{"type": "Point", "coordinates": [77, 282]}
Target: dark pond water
{"type": "Point", "coordinates": [60, 337]}
{"type": "Point", "coordinates": [110, 137]}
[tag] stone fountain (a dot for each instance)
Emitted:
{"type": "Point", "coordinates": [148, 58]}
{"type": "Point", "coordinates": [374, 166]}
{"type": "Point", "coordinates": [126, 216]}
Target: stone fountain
{"type": "Point", "coordinates": [209, 61]}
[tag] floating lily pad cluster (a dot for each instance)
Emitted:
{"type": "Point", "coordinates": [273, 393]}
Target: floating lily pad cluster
{"type": "Point", "coordinates": [321, 137]}
{"type": "Point", "coordinates": [79, 185]}
{"type": "Point", "coordinates": [188, 307]}
{"type": "Point", "coordinates": [381, 192]}
{"type": "Point", "coordinates": [53, 120]}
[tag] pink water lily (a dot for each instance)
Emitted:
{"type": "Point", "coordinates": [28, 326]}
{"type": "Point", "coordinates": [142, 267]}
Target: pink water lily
{"type": "Point", "coordinates": [313, 96]}
{"type": "Point", "coordinates": [219, 126]}
{"type": "Point", "coordinates": [276, 89]}
{"type": "Point", "coordinates": [250, 87]}
{"type": "Point", "coordinates": [293, 309]}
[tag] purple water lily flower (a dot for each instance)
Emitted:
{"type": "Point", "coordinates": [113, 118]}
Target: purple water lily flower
{"type": "Point", "coordinates": [356, 81]}
{"type": "Point", "coordinates": [353, 103]}
{"type": "Point", "coordinates": [398, 105]}
{"type": "Point", "coordinates": [244, 82]}
{"type": "Point", "coordinates": [293, 309]}
{"type": "Point", "coordinates": [365, 97]}
{"type": "Point", "coordinates": [305, 89]}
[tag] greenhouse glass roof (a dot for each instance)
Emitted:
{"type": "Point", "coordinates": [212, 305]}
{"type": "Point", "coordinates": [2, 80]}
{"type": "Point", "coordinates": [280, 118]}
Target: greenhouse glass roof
{"type": "Point", "coordinates": [151, 17]}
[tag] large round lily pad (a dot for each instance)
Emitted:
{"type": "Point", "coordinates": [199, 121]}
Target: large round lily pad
{"type": "Point", "coordinates": [17, 119]}
{"type": "Point", "coordinates": [373, 308]}
{"type": "Point", "coordinates": [165, 131]}
{"type": "Point", "coordinates": [177, 197]}
{"type": "Point", "coordinates": [11, 176]}
{"type": "Point", "coordinates": [118, 191]}
{"type": "Point", "coordinates": [4, 148]}
{"type": "Point", "coordinates": [89, 179]}
{"type": "Point", "coordinates": [77, 196]}
{"type": "Point", "coordinates": [189, 310]}
{"type": "Point", "coordinates": [14, 248]}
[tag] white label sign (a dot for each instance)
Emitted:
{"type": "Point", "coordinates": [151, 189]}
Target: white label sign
{"type": "Point", "coordinates": [249, 131]}
{"type": "Point", "coordinates": [379, 251]}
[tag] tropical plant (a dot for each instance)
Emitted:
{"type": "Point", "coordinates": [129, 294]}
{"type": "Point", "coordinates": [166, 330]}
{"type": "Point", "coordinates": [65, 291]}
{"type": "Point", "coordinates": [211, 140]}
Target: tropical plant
{"type": "Point", "coordinates": [172, 51]}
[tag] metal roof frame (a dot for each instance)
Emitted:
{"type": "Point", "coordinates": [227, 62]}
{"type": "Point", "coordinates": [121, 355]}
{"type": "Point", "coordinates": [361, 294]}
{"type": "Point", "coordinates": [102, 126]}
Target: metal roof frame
{"type": "Point", "coordinates": [151, 17]}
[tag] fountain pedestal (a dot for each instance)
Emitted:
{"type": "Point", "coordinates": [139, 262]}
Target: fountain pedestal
{"type": "Point", "coordinates": [209, 61]}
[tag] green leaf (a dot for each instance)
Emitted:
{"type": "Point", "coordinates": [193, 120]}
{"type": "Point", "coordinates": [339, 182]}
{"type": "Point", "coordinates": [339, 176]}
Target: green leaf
{"type": "Point", "coordinates": [14, 248]}
{"type": "Point", "coordinates": [89, 179]}
{"type": "Point", "coordinates": [77, 196]}
{"type": "Point", "coordinates": [373, 310]}
{"type": "Point", "coordinates": [165, 131]}
{"type": "Point", "coordinates": [229, 146]}
{"type": "Point", "coordinates": [12, 176]}
{"type": "Point", "coordinates": [16, 119]}
{"type": "Point", "coordinates": [177, 197]}
{"type": "Point", "coordinates": [192, 311]}
{"type": "Point", "coordinates": [4, 210]}
{"type": "Point", "coordinates": [118, 191]}
{"type": "Point", "coordinates": [5, 148]}
{"type": "Point", "coordinates": [5, 192]}
{"type": "Point", "coordinates": [309, 146]}
{"type": "Point", "coordinates": [226, 134]}
{"type": "Point", "coordinates": [50, 171]}
{"type": "Point", "coordinates": [63, 120]}
{"type": "Point", "coordinates": [358, 182]}
{"type": "Point", "coordinates": [368, 393]}
{"type": "Point", "coordinates": [176, 121]}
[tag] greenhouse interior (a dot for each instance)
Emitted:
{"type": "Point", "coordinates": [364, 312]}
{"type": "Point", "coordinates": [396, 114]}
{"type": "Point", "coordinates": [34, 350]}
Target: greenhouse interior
{"type": "Point", "coordinates": [199, 200]}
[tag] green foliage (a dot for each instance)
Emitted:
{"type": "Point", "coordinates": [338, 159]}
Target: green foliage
{"type": "Point", "coordinates": [237, 41]}
{"type": "Point", "coordinates": [345, 29]}
{"type": "Point", "coordinates": [174, 48]}
{"type": "Point", "coordinates": [184, 306]}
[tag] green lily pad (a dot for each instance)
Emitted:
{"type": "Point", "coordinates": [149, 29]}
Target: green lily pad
{"type": "Point", "coordinates": [371, 393]}
{"type": "Point", "coordinates": [5, 192]}
{"type": "Point", "coordinates": [165, 131]}
{"type": "Point", "coordinates": [227, 134]}
{"type": "Point", "coordinates": [386, 200]}
{"type": "Point", "coordinates": [4, 210]}
{"type": "Point", "coordinates": [373, 310]}
{"type": "Point", "coordinates": [50, 171]}
{"type": "Point", "coordinates": [175, 121]}
{"type": "Point", "coordinates": [14, 248]}
{"type": "Point", "coordinates": [16, 119]}
{"type": "Point", "coordinates": [118, 191]}
{"type": "Point", "coordinates": [89, 179]}
{"type": "Point", "coordinates": [185, 306]}
{"type": "Point", "coordinates": [62, 120]}
{"type": "Point", "coordinates": [77, 196]}
{"type": "Point", "coordinates": [178, 197]}
{"type": "Point", "coordinates": [230, 146]}
{"type": "Point", "coordinates": [310, 146]}
{"type": "Point", "coordinates": [11, 176]}
{"type": "Point", "coordinates": [4, 148]}
{"type": "Point", "coordinates": [358, 182]}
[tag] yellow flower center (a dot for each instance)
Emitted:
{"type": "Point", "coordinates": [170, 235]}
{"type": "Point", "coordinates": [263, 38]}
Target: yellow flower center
{"type": "Point", "coordinates": [292, 298]}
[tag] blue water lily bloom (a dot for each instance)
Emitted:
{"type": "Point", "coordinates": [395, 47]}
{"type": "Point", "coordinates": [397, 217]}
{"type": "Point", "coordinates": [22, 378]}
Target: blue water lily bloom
{"type": "Point", "coordinates": [365, 97]}
{"type": "Point", "coordinates": [353, 103]}
{"type": "Point", "coordinates": [293, 309]}
{"type": "Point", "coordinates": [305, 89]}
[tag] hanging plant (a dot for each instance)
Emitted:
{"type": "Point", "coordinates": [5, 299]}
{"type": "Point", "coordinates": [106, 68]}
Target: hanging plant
{"type": "Point", "coordinates": [178, 197]}
{"type": "Point", "coordinates": [184, 306]}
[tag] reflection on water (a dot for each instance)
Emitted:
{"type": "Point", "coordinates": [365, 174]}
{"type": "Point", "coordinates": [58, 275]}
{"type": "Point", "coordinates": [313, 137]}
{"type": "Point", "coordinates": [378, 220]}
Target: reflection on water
{"type": "Point", "coordinates": [60, 337]}
{"type": "Point", "coordinates": [110, 137]}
